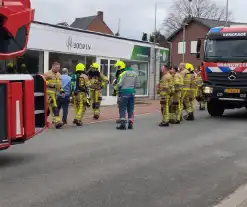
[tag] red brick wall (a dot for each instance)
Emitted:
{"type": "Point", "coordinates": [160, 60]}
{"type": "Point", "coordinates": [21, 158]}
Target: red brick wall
{"type": "Point", "coordinates": [192, 33]}
{"type": "Point", "coordinates": [98, 26]}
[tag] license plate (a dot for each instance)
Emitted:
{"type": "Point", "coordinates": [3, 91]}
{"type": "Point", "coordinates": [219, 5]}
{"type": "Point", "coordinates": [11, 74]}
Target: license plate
{"type": "Point", "coordinates": [232, 90]}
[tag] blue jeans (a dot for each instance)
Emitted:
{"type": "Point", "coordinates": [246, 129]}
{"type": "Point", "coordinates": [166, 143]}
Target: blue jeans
{"type": "Point", "coordinates": [127, 102]}
{"type": "Point", "coordinates": [64, 104]}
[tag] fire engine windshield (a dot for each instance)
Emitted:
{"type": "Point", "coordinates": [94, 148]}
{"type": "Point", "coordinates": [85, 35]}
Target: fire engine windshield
{"type": "Point", "coordinates": [226, 50]}
{"type": "Point", "coordinates": [9, 44]}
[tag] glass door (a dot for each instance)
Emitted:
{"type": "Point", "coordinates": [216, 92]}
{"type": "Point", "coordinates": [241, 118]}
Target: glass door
{"type": "Point", "coordinates": [112, 75]}
{"type": "Point", "coordinates": [108, 69]}
{"type": "Point", "coordinates": [104, 68]}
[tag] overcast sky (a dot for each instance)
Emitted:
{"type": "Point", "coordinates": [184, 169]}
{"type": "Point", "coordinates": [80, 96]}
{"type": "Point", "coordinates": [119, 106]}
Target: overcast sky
{"type": "Point", "coordinates": [137, 16]}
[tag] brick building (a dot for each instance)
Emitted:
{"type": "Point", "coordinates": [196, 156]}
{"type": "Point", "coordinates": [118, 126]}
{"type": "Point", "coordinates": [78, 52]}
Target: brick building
{"type": "Point", "coordinates": [195, 28]}
{"type": "Point", "coordinates": [92, 23]}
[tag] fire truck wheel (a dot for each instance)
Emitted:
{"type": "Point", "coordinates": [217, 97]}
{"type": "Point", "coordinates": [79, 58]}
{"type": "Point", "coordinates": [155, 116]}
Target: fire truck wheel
{"type": "Point", "coordinates": [215, 108]}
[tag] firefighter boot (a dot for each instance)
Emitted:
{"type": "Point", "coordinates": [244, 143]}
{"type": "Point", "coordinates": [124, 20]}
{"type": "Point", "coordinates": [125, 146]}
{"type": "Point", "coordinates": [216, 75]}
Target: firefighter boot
{"type": "Point", "coordinates": [96, 116]}
{"type": "Point", "coordinates": [58, 125]}
{"type": "Point", "coordinates": [77, 122]}
{"type": "Point", "coordinates": [163, 124]}
{"type": "Point", "coordinates": [190, 117]}
{"type": "Point", "coordinates": [121, 125]}
{"type": "Point", "coordinates": [130, 124]}
{"type": "Point", "coordinates": [202, 106]}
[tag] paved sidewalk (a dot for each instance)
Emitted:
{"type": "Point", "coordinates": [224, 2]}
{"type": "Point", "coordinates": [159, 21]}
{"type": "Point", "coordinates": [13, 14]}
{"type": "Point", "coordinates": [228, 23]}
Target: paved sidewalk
{"type": "Point", "coordinates": [111, 112]}
{"type": "Point", "coordinates": [236, 199]}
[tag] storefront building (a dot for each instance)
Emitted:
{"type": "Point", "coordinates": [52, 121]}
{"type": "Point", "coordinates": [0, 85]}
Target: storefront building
{"type": "Point", "coordinates": [69, 46]}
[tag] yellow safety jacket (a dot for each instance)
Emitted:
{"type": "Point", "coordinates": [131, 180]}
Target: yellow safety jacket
{"type": "Point", "coordinates": [188, 78]}
{"type": "Point", "coordinates": [199, 81]}
{"type": "Point", "coordinates": [53, 82]}
{"type": "Point", "coordinates": [166, 86]}
{"type": "Point", "coordinates": [98, 82]}
{"type": "Point", "coordinates": [83, 83]}
{"type": "Point", "coordinates": [178, 82]}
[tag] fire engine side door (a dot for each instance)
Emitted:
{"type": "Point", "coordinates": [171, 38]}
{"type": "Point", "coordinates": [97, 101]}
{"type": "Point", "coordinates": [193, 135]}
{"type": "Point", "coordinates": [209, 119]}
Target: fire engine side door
{"type": "Point", "coordinates": [4, 142]}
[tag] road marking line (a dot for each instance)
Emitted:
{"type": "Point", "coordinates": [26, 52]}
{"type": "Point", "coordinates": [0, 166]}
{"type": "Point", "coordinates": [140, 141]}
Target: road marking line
{"type": "Point", "coordinates": [235, 199]}
{"type": "Point", "coordinates": [94, 122]}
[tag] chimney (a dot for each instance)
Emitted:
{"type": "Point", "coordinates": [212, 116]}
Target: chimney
{"type": "Point", "coordinates": [100, 14]}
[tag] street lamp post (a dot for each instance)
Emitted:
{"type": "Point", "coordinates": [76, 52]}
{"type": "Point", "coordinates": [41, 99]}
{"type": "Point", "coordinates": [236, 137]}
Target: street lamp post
{"type": "Point", "coordinates": [184, 25]}
{"type": "Point", "coordinates": [155, 28]}
{"type": "Point", "coordinates": [154, 43]}
{"type": "Point", "coordinates": [227, 12]}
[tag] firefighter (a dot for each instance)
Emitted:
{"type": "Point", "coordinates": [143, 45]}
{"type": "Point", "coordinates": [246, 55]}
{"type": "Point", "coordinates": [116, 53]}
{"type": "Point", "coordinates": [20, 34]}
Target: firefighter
{"type": "Point", "coordinates": [183, 72]}
{"type": "Point", "coordinates": [189, 86]}
{"type": "Point", "coordinates": [120, 66]}
{"type": "Point", "coordinates": [199, 95]}
{"type": "Point", "coordinates": [11, 69]}
{"type": "Point", "coordinates": [23, 69]}
{"type": "Point", "coordinates": [97, 83]}
{"type": "Point", "coordinates": [80, 87]}
{"type": "Point", "coordinates": [176, 106]}
{"type": "Point", "coordinates": [54, 86]}
{"type": "Point", "coordinates": [164, 90]}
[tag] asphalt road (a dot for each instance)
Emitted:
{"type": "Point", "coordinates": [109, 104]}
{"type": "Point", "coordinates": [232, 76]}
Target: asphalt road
{"type": "Point", "coordinates": [194, 164]}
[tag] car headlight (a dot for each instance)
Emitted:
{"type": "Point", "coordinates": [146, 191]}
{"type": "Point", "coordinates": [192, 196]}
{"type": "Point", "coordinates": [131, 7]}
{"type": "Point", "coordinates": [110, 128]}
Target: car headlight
{"type": "Point", "coordinates": [207, 90]}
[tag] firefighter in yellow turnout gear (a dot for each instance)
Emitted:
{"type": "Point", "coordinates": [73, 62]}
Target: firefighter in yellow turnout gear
{"type": "Point", "coordinates": [80, 84]}
{"type": "Point", "coordinates": [190, 87]}
{"type": "Point", "coordinates": [54, 86]}
{"type": "Point", "coordinates": [165, 90]}
{"type": "Point", "coordinates": [97, 83]}
{"type": "Point", "coordinates": [176, 105]}
{"type": "Point", "coordinates": [184, 87]}
{"type": "Point", "coordinates": [199, 96]}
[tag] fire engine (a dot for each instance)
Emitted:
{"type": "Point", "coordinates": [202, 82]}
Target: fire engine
{"type": "Point", "coordinates": [224, 68]}
{"type": "Point", "coordinates": [22, 97]}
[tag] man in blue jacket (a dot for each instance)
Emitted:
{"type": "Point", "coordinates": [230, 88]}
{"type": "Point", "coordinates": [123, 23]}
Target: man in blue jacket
{"type": "Point", "coordinates": [126, 86]}
{"type": "Point", "coordinates": [64, 99]}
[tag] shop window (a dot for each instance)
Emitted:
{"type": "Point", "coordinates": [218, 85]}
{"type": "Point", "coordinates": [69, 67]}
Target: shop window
{"type": "Point", "coordinates": [89, 61]}
{"type": "Point", "coordinates": [142, 80]}
{"type": "Point", "coordinates": [70, 61]}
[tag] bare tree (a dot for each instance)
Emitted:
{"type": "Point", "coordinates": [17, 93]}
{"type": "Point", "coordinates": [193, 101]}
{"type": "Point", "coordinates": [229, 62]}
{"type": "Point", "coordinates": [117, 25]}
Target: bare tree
{"type": "Point", "coordinates": [182, 9]}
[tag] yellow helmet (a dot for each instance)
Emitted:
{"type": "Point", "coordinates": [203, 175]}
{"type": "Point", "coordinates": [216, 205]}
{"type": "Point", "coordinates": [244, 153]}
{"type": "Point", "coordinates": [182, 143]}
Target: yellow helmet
{"type": "Point", "coordinates": [23, 65]}
{"type": "Point", "coordinates": [120, 65]}
{"type": "Point", "coordinates": [11, 65]}
{"type": "Point", "coordinates": [80, 67]}
{"type": "Point", "coordinates": [95, 66]}
{"type": "Point", "coordinates": [189, 67]}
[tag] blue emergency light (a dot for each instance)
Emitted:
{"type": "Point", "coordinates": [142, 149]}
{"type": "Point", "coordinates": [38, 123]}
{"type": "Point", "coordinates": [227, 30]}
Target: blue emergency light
{"type": "Point", "coordinates": [215, 29]}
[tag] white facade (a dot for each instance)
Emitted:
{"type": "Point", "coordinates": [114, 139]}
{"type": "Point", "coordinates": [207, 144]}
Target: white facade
{"type": "Point", "coordinates": [50, 38]}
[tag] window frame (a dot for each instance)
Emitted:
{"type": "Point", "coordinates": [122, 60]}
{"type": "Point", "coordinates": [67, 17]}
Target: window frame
{"type": "Point", "coordinates": [181, 47]}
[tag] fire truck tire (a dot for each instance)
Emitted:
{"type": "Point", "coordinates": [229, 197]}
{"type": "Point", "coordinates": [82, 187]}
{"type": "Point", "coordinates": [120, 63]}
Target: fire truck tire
{"type": "Point", "coordinates": [215, 108]}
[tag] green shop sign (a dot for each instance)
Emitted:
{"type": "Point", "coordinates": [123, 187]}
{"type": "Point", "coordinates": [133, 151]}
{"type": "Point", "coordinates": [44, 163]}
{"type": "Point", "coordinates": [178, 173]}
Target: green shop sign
{"type": "Point", "coordinates": [164, 55]}
{"type": "Point", "coordinates": [140, 53]}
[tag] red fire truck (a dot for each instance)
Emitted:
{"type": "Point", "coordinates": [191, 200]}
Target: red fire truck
{"type": "Point", "coordinates": [224, 68]}
{"type": "Point", "coordinates": [22, 97]}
